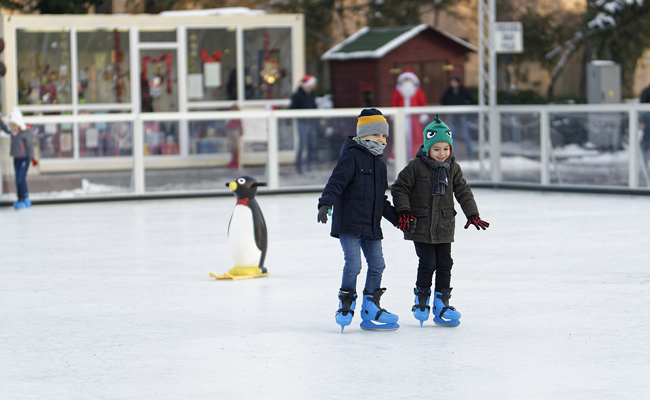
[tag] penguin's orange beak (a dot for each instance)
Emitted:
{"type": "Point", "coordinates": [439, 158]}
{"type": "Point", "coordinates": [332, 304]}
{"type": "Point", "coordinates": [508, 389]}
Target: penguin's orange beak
{"type": "Point", "coordinates": [232, 185]}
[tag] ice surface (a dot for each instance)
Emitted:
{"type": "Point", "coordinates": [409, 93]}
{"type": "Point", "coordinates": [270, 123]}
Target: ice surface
{"type": "Point", "coordinates": [113, 301]}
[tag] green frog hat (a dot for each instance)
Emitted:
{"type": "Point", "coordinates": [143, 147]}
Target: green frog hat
{"type": "Point", "coordinates": [436, 131]}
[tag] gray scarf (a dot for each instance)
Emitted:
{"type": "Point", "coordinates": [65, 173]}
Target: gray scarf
{"type": "Point", "coordinates": [441, 180]}
{"type": "Point", "coordinates": [375, 148]}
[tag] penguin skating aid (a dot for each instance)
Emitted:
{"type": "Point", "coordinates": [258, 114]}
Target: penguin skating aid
{"type": "Point", "coordinates": [246, 233]}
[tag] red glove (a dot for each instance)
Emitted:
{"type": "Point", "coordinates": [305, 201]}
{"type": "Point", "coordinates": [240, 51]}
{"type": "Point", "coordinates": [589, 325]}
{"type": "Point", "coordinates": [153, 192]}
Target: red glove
{"type": "Point", "coordinates": [477, 222]}
{"type": "Point", "coordinates": [406, 222]}
{"type": "Point", "coordinates": [34, 162]}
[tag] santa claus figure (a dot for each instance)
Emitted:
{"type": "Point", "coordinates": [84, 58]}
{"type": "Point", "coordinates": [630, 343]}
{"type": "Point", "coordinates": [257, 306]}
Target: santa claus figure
{"type": "Point", "coordinates": [408, 93]}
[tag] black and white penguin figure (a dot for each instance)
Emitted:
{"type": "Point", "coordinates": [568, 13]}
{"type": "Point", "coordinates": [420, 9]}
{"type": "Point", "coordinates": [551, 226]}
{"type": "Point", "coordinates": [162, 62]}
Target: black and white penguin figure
{"type": "Point", "coordinates": [247, 230]}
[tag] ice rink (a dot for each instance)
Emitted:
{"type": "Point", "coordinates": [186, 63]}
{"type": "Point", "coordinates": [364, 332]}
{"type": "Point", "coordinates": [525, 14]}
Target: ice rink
{"type": "Point", "coordinates": [114, 301]}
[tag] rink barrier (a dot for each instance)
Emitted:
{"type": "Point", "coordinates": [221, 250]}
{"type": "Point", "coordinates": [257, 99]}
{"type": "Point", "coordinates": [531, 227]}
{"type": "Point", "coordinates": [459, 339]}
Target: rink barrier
{"type": "Point", "coordinates": [492, 177]}
{"type": "Point", "coordinates": [609, 190]}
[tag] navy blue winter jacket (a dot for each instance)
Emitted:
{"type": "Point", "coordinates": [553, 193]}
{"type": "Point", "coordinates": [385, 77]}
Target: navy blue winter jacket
{"type": "Point", "coordinates": [357, 191]}
{"type": "Point", "coordinates": [302, 99]}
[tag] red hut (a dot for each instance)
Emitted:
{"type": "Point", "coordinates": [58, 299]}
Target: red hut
{"type": "Point", "coordinates": [364, 67]}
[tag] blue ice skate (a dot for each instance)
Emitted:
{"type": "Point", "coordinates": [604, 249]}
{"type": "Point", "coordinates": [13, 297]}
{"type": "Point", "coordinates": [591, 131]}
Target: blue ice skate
{"type": "Point", "coordinates": [27, 201]}
{"type": "Point", "coordinates": [19, 204]}
{"type": "Point", "coordinates": [443, 313]}
{"type": "Point", "coordinates": [374, 317]}
{"type": "Point", "coordinates": [421, 308]}
{"type": "Point", "coordinates": [347, 302]}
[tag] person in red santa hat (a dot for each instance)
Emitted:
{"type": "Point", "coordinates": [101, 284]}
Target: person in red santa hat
{"type": "Point", "coordinates": [408, 93]}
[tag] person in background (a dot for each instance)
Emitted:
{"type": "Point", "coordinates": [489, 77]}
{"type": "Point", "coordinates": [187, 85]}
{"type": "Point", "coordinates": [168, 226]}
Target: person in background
{"type": "Point", "coordinates": [304, 98]}
{"type": "Point", "coordinates": [408, 93]}
{"type": "Point", "coordinates": [457, 95]}
{"type": "Point", "coordinates": [22, 150]}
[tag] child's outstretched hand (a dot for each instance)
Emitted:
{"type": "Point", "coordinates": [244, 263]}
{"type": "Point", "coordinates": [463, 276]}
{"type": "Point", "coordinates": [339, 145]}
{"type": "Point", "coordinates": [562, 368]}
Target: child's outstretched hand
{"type": "Point", "coordinates": [477, 222]}
{"type": "Point", "coordinates": [406, 222]}
{"type": "Point", "coordinates": [323, 212]}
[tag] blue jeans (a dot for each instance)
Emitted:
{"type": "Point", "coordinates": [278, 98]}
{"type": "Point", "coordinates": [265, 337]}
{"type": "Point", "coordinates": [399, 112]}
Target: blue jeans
{"type": "Point", "coordinates": [458, 122]}
{"type": "Point", "coordinates": [306, 143]}
{"type": "Point", "coordinates": [351, 245]}
{"type": "Point", "coordinates": [21, 165]}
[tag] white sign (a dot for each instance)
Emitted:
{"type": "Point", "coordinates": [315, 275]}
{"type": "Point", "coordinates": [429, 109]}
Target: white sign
{"type": "Point", "coordinates": [92, 137]}
{"type": "Point", "coordinates": [212, 74]}
{"type": "Point", "coordinates": [195, 86]}
{"type": "Point", "coordinates": [508, 37]}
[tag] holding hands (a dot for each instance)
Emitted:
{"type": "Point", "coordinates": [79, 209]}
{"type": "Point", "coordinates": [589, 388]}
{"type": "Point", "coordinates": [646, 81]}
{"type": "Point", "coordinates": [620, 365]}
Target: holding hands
{"type": "Point", "coordinates": [406, 222]}
{"type": "Point", "coordinates": [477, 222]}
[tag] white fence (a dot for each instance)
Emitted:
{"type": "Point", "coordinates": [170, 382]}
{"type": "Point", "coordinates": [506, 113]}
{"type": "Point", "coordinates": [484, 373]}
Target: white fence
{"type": "Point", "coordinates": [534, 145]}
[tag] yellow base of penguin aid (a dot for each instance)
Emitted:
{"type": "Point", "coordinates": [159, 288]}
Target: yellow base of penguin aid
{"type": "Point", "coordinates": [239, 273]}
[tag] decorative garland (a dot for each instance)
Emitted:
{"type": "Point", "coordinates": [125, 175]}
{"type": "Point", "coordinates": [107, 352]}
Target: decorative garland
{"type": "Point", "coordinates": [117, 48]}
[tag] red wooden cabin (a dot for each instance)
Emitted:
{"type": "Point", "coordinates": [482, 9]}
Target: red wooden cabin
{"type": "Point", "coordinates": [364, 67]}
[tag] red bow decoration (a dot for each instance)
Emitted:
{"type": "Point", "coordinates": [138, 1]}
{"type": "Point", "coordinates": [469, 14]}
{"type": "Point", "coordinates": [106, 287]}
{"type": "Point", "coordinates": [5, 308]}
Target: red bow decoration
{"type": "Point", "coordinates": [216, 56]}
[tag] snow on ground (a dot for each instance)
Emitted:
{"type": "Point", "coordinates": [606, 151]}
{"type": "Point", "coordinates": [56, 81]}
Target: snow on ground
{"type": "Point", "coordinates": [113, 301]}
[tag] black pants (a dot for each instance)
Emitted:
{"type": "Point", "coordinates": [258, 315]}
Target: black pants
{"type": "Point", "coordinates": [434, 258]}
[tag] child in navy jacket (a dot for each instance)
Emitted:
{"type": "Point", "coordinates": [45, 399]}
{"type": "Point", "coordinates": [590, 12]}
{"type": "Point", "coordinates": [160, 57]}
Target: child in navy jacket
{"type": "Point", "coordinates": [356, 191]}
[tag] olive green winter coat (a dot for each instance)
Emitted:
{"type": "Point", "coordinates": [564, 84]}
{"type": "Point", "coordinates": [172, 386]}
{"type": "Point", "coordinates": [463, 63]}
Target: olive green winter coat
{"type": "Point", "coordinates": [435, 214]}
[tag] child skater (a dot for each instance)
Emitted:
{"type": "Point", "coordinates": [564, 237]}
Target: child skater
{"type": "Point", "coordinates": [422, 195]}
{"type": "Point", "coordinates": [357, 191]}
{"type": "Point", "coordinates": [22, 150]}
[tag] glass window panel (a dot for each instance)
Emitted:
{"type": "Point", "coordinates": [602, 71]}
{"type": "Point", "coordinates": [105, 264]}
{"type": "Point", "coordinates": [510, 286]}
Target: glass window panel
{"type": "Point", "coordinates": [159, 80]}
{"type": "Point", "coordinates": [316, 142]}
{"type": "Point", "coordinates": [267, 61]}
{"type": "Point", "coordinates": [211, 64]}
{"type": "Point", "coordinates": [587, 149]}
{"type": "Point", "coordinates": [105, 139]}
{"type": "Point", "coordinates": [520, 148]}
{"type": "Point", "coordinates": [55, 140]}
{"type": "Point", "coordinates": [233, 146]}
{"type": "Point", "coordinates": [103, 58]}
{"type": "Point", "coordinates": [161, 138]}
{"type": "Point", "coordinates": [157, 36]}
{"type": "Point", "coordinates": [43, 66]}
{"type": "Point", "coordinates": [216, 137]}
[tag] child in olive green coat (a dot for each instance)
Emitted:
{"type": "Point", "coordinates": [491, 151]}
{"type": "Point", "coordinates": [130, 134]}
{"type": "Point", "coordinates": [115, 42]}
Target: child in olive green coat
{"type": "Point", "coordinates": [423, 195]}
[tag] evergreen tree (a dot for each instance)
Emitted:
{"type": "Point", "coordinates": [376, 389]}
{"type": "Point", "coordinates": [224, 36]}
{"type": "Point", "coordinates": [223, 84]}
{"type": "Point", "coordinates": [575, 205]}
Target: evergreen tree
{"type": "Point", "coordinates": [64, 6]}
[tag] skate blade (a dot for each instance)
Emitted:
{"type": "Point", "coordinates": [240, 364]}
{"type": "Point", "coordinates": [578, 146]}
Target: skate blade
{"type": "Point", "coordinates": [370, 326]}
{"type": "Point", "coordinates": [227, 276]}
{"type": "Point", "coordinates": [449, 324]}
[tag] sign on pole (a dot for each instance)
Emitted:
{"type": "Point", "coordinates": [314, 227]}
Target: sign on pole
{"type": "Point", "coordinates": [509, 37]}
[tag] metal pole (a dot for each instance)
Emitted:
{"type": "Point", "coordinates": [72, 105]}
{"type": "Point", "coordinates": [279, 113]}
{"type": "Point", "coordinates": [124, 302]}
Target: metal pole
{"type": "Point", "coordinates": [633, 148]}
{"type": "Point", "coordinates": [495, 132]}
{"type": "Point", "coordinates": [481, 85]}
{"type": "Point", "coordinates": [545, 146]}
